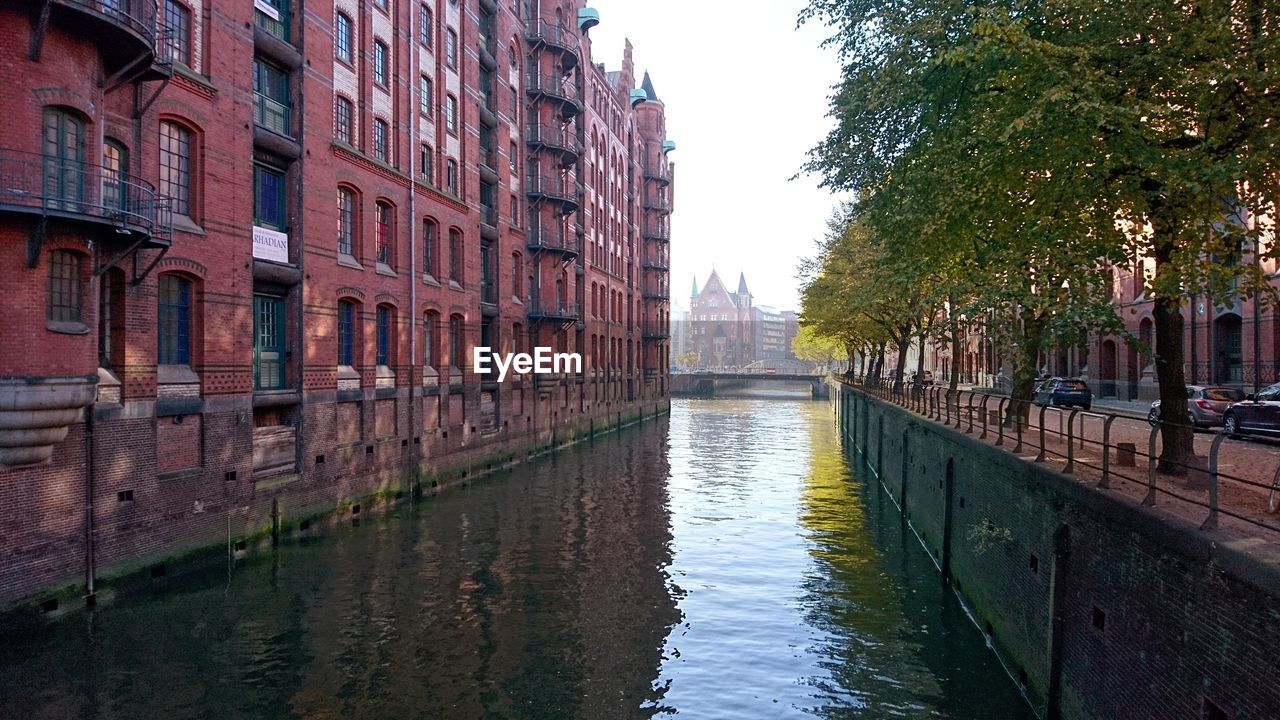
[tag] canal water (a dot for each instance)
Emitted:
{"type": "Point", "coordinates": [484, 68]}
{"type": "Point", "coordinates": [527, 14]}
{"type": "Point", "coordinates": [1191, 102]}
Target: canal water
{"type": "Point", "coordinates": [721, 563]}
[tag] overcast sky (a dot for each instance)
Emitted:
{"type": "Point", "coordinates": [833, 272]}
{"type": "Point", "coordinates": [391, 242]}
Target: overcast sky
{"type": "Point", "coordinates": [746, 97]}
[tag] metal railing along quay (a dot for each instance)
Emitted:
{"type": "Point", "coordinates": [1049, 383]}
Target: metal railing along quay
{"type": "Point", "coordinates": [1113, 452]}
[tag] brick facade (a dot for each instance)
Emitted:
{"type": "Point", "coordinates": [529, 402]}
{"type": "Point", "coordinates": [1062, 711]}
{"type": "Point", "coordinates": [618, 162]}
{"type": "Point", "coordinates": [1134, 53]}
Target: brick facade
{"type": "Point", "coordinates": [283, 385]}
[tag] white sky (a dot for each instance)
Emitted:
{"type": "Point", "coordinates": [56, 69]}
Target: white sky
{"type": "Point", "coordinates": [746, 97]}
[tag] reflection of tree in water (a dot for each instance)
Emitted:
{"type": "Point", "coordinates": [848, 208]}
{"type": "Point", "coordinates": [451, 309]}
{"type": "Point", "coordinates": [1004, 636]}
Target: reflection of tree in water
{"type": "Point", "coordinates": [897, 643]}
{"type": "Point", "coordinates": [539, 593]}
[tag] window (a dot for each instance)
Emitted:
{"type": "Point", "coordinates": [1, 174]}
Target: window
{"type": "Point", "coordinates": [455, 255]}
{"type": "Point", "coordinates": [381, 63]}
{"type": "Point", "coordinates": [451, 114]}
{"type": "Point", "coordinates": [115, 171]}
{"type": "Point", "coordinates": [513, 158]}
{"type": "Point", "coordinates": [173, 317]}
{"type": "Point", "coordinates": [380, 133]}
{"type": "Point", "coordinates": [111, 318]}
{"type": "Point", "coordinates": [384, 335]}
{"type": "Point", "coordinates": [175, 166]}
{"type": "Point", "coordinates": [268, 197]}
{"type": "Point", "coordinates": [177, 32]}
{"type": "Point", "coordinates": [346, 328]}
{"type": "Point", "coordinates": [517, 274]}
{"type": "Point", "coordinates": [451, 49]}
{"type": "Point", "coordinates": [451, 177]}
{"type": "Point", "coordinates": [342, 120]}
{"type": "Point", "coordinates": [426, 99]}
{"type": "Point", "coordinates": [382, 237]}
{"type": "Point", "coordinates": [455, 340]}
{"type": "Point", "coordinates": [64, 156]}
{"type": "Point", "coordinates": [268, 342]}
{"type": "Point", "coordinates": [425, 26]}
{"type": "Point", "coordinates": [342, 37]}
{"type": "Point", "coordinates": [381, 3]}
{"type": "Point", "coordinates": [430, 248]}
{"type": "Point", "coordinates": [429, 352]}
{"type": "Point", "coordinates": [346, 222]}
{"type": "Point", "coordinates": [427, 164]}
{"type": "Point", "coordinates": [65, 301]}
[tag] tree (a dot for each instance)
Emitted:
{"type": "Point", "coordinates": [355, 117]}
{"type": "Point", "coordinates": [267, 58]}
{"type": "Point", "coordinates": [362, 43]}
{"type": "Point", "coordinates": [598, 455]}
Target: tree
{"type": "Point", "coordinates": [1063, 134]}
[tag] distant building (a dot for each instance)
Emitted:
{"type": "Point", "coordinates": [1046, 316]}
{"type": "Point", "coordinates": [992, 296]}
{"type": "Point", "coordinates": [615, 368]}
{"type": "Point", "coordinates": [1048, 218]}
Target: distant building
{"type": "Point", "coordinates": [721, 324]}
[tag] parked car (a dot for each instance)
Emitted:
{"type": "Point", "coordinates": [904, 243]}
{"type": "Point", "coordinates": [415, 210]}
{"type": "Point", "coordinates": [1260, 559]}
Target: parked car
{"type": "Point", "coordinates": [1064, 392]}
{"type": "Point", "coordinates": [924, 378]}
{"type": "Point", "coordinates": [1205, 405]}
{"type": "Point", "coordinates": [1255, 414]}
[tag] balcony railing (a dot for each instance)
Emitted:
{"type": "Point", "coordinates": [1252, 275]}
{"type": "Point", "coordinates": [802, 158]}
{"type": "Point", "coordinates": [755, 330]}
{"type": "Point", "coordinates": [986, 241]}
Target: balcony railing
{"type": "Point", "coordinates": [488, 290]}
{"type": "Point", "coordinates": [554, 188]}
{"type": "Point", "coordinates": [657, 202]}
{"type": "Point", "coordinates": [541, 33]}
{"type": "Point", "coordinates": [33, 183]}
{"type": "Point", "coordinates": [656, 232]}
{"type": "Point", "coordinates": [656, 293]}
{"type": "Point", "coordinates": [272, 115]}
{"type": "Point", "coordinates": [489, 215]}
{"type": "Point", "coordinates": [540, 309]}
{"type": "Point", "coordinates": [661, 174]}
{"type": "Point", "coordinates": [654, 330]}
{"type": "Point", "coordinates": [555, 87]}
{"type": "Point", "coordinates": [660, 264]}
{"type": "Point", "coordinates": [137, 16]}
{"type": "Point", "coordinates": [553, 238]}
{"type": "Point", "coordinates": [539, 136]}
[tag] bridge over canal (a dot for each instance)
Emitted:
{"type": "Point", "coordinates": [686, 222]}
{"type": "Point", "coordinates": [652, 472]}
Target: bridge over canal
{"type": "Point", "coordinates": [721, 384]}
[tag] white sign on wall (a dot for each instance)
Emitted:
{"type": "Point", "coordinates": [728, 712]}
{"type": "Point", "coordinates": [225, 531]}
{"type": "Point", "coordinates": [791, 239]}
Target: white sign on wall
{"type": "Point", "coordinates": [267, 9]}
{"type": "Point", "coordinates": [271, 245]}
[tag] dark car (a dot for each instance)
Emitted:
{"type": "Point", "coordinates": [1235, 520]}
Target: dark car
{"type": "Point", "coordinates": [1255, 414]}
{"type": "Point", "coordinates": [1064, 392]}
{"type": "Point", "coordinates": [1205, 405]}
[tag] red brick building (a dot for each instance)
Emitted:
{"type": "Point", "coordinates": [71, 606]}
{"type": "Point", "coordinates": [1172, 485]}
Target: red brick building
{"type": "Point", "coordinates": [251, 243]}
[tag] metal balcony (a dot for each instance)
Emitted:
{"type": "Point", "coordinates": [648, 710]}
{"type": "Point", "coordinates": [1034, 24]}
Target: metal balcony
{"type": "Point", "coordinates": [659, 264]}
{"type": "Point", "coordinates": [554, 140]}
{"type": "Point", "coordinates": [542, 34]}
{"type": "Point", "coordinates": [126, 31]}
{"type": "Point", "coordinates": [654, 330]}
{"type": "Point", "coordinates": [552, 238]}
{"type": "Point", "coordinates": [661, 174]}
{"type": "Point", "coordinates": [656, 232]}
{"type": "Point", "coordinates": [658, 293]}
{"type": "Point", "coordinates": [90, 195]}
{"type": "Point", "coordinates": [657, 202]}
{"type": "Point", "coordinates": [555, 89]}
{"type": "Point", "coordinates": [553, 188]}
{"type": "Point", "coordinates": [539, 309]}
{"type": "Point", "coordinates": [272, 115]}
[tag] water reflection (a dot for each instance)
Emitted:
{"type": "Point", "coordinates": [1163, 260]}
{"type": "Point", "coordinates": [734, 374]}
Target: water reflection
{"type": "Point", "coordinates": [721, 564]}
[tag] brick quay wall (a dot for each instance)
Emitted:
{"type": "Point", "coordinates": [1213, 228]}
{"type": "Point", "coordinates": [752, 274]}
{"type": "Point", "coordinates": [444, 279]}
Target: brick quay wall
{"type": "Point", "coordinates": [1099, 607]}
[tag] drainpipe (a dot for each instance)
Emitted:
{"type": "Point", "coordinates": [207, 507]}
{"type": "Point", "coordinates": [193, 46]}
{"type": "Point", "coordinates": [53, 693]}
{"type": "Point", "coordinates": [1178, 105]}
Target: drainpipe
{"type": "Point", "coordinates": [414, 104]}
{"type": "Point", "coordinates": [89, 570]}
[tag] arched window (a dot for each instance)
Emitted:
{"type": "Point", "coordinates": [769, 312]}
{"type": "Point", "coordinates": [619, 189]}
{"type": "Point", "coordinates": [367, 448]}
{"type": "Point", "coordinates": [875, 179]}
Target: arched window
{"type": "Point", "coordinates": [384, 221]}
{"type": "Point", "coordinates": [64, 156]}
{"type": "Point", "coordinates": [381, 140]}
{"type": "Point", "coordinates": [342, 38]}
{"type": "Point", "coordinates": [66, 301]}
{"type": "Point", "coordinates": [173, 320]}
{"type": "Point", "coordinates": [385, 335]}
{"type": "Point", "coordinates": [427, 164]}
{"type": "Point", "coordinates": [451, 114]}
{"type": "Point", "coordinates": [517, 275]}
{"type": "Point", "coordinates": [347, 225]}
{"type": "Point", "coordinates": [115, 171]}
{"type": "Point", "coordinates": [456, 341]}
{"type": "Point", "coordinates": [343, 120]}
{"type": "Point", "coordinates": [455, 255]}
{"type": "Point", "coordinates": [111, 318]}
{"type": "Point", "coordinates": [430, 248]}
{"type": "Point", "coordinates": [381, 63]}
{"type": "Point", "coordinates": [430, 331]}
{"type": "Point", "coordinates": [451, 177]}
{"type": "Point", "coordinates": [177, 32]}
{"type": "Point", "coordinates": [176, 159]}
{"type": "Point", "coordinates": [346, 332]}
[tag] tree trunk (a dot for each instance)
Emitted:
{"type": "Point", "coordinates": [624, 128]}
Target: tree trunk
{"type": "Point", "coordinates": [919, 384]}
{"type": "Point", "coordinates": [1025, 366]}
{"type": "Point", "coordinates": [904, 343]}
{"type": "Point", "coordinates": [1177, 437]}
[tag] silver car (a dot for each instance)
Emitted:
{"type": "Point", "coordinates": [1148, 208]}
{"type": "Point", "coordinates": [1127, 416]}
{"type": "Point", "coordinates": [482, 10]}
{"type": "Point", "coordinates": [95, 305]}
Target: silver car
{"type": "Point", "coordinates": [1205, 405]}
